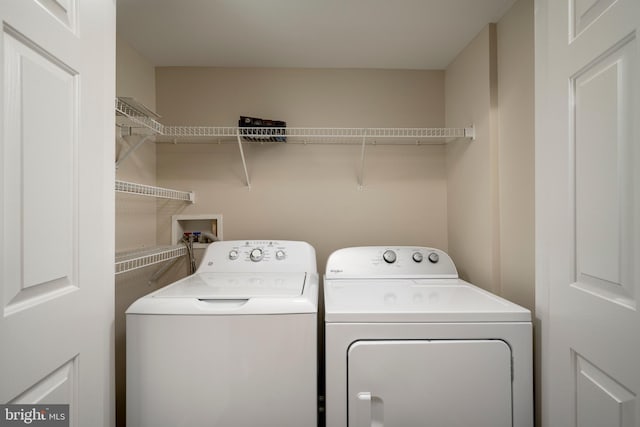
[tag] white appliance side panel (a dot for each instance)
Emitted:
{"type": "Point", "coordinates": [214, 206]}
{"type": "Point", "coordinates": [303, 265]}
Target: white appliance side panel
{"type": "Point", "coordinates": [202, 371]}
{"type": "Point", "coordinates": [450, 383]}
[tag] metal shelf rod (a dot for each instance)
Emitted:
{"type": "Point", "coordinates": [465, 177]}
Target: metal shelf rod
{"type": "Point", "coordinates": [244, 162]}
{"type": "Point", "coordinates": [132, 149]}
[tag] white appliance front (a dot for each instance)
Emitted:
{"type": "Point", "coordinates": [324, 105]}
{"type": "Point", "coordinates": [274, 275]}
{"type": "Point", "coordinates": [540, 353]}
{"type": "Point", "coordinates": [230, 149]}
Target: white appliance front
{"type": "Point", "coordinates": [408, 343]}
{"type": "Point", "coordinates": [235, 344]}
{"type": "Point", "coordinates": [221, 370]}
{"type": "Point", "coordinates": [398, 382]}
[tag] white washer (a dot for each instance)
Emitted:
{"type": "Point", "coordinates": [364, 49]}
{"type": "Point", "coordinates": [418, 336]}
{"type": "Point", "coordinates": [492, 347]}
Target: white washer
{"type": "Point", "coordinates": [234, 344]}
{"type": "Point", "coordinates": [409, 343]}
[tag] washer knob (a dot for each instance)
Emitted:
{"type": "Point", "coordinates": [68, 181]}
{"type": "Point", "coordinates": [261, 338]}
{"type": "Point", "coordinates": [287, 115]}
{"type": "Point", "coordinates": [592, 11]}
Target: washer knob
{"type": "Point", "coordinates": [280, 255]}
{"type": "Point", "coordinates": [417, 257]}
{"type": "Point", "coordinates": [434, 257]}
{"type": "Point", "coordinates": [256, 255]}
{"type": "Point", "coordinates": [389, 256]}
{"type": "Point", "coordinates": [233, 254]}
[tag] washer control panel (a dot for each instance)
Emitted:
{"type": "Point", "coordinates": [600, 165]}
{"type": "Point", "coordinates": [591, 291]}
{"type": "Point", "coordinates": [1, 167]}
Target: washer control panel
{"type": "Point", "coordinates": [258, 251]}
{"type": "Point", "coordinates": [390, 261]}
{"type": "Point", "coordinates": [258, 255]}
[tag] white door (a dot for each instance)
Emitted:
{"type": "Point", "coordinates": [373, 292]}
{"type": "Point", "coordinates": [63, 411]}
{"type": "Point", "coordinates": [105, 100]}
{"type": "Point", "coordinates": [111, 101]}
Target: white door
{"type": "Point", "coordinates": [588, 211]}
{"type": "Point", "coordinates": [444, 383]}
{"type": "Point", "coordinates": [57, 91]}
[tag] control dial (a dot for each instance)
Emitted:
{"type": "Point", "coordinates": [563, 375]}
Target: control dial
{"type": "Point", "coordinates": [389, 256]}
{"type": "Point", "coordinates": [280, 255]}
{"type": "Point", "coordinates": [417, 257]}
{"type": "Point", "coordinates": [434, 257]}
{"type": "Point", "coordinates": [233, 254]}
{"type": "Point", "coordinates": [256, 255]}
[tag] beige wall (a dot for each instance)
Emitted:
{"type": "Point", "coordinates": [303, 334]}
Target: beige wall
{"type": "Point", "coordinates": [472, 165]}
{"type": "Point", "coordinates": [135, 216]}
{"type": "Point", "coordinates": [490, 180]}
{"type": "Point", "coordinates": [516, 152]}
{"type": "Point", "coordinates": [135, 225]}
{"type": "Point", "coordinates": [308, 192]}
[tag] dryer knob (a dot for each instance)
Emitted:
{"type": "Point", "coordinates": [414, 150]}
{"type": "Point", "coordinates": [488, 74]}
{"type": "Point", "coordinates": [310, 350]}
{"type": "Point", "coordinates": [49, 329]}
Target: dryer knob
{"type": "Point", "coordinates": [280, 255]}
{"type": "Point", "coordinates": [256, 255]}
{"type": "Point", "coordinates": [417, 257]}
{"type": "Point", "coordinates": [434, 257]}
{"type": "Point", "coordinates": [389, 256]}
{"type": "Point", "coordinates": [233, 254]}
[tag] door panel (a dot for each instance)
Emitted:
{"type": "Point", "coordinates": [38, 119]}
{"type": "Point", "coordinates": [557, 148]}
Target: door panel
{"type": "Point", "coordinates": [585, 12]}
{"type": "Point", "coordinates": [59, 387]}
{"type": "Point", "coordinates": [57, 87]}
{"type": "Point", "coordinates": [40, 143]}
{"type": "Point", "coordinates": [601, 400]}
{"type": "Point", "coordinates": [445, 383]}
{"type": "Point", "coordinates": [588, 211]}
{"type": "Point", "coordinates": [604, 181]}
{"type": "Point", "coordinates": [64, 11]}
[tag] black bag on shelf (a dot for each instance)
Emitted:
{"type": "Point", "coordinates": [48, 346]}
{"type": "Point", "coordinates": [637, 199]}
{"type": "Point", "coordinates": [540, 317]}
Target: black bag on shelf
{"type": "Point", "coordinates": [267, 131]}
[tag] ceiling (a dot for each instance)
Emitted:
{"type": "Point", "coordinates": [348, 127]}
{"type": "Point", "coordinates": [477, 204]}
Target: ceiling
{"type": "Point", "coordinates": [393, 34]}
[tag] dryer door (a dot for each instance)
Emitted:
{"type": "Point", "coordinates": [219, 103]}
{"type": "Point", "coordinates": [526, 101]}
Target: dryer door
{"type": "Point", "coordinates": [444, 383]}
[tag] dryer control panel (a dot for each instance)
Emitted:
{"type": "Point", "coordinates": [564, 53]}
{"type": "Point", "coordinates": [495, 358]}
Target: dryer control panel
{"type": "Point", "coordinates": [258, 256]}
{"type": "Point", "coordinates": [390, 261]}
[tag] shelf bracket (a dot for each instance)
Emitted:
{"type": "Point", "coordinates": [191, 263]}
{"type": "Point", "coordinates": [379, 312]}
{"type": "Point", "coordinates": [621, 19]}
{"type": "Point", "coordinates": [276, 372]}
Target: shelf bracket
{"type": "Point", "coordinates": [132, 149]}
{"type": "Point", "coordinates": [244, 162]}
{"type": "Point", "coordinates": [163, 269]}
{"type": "Point", "coordinates": [470, 133]}
{"type": "Point", "coordinates": [361, 173]}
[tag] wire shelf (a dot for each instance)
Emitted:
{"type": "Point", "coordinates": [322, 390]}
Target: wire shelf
{"type": "Point", "coordinates": [130, 261]}
{"type": "Point", "coordinates": [149, 190]}
{"type": "Point", "coordinates": [139, 115]}
{"type": "Point", "coordinates": [200, 131]}
{"type": "Point", "coordinates": [321, 134]}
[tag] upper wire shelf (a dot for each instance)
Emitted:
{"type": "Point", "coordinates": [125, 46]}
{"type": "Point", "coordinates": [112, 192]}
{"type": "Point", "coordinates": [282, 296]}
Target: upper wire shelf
{"type": "Point", "coordinates": [313, 135]}
{"type": "Point", "coordinates": [142, 117]}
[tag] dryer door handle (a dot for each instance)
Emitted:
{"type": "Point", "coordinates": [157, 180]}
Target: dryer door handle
{"type": "Point", "coordinates": [375, 413]}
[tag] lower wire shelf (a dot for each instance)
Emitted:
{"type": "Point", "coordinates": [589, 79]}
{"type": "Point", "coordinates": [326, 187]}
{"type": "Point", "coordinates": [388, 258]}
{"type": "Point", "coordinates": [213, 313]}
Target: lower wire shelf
{"type": "Point", "coordinates": [149, 190]}
{"type": "Point", "coordinates": [128, 261]}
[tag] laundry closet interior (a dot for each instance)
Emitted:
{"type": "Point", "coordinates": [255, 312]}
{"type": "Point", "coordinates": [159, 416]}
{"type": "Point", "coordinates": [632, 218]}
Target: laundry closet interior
{"type": "Point", "coordinates": [438, 155]}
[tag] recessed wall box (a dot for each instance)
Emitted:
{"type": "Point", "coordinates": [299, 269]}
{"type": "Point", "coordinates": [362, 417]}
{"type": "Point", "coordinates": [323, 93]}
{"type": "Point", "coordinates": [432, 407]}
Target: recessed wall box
{"type": "Point", "coordinates": [196, 223]}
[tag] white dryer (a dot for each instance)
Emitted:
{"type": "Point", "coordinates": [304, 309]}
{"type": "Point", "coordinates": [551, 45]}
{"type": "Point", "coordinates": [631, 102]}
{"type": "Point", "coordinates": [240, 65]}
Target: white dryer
{"type": "Point", "coordinates": [408, 343]}
{"type": "Point", "coordinates": [233, 345]}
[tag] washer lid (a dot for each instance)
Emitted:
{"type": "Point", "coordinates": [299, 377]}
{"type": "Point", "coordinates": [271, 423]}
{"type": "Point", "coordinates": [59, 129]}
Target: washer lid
{"type": "Point", "coordinates": [416, 300]}
{"type": "Point", "coordinates": [213, 294]}
{"type": "Point", "coordinates": [235, 286]}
